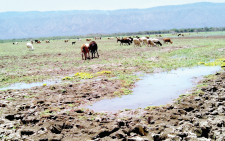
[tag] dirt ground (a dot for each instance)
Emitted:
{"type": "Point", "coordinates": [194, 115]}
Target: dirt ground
{"type": "Point", "coordinates": [56, 112]}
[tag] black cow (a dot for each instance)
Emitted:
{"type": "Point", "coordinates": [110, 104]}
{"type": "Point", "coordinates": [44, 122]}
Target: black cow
{"type": "Point", "coordinates": [93, 48]}
{"type": "Point", "coordinates": [73, 43]}
{"type": "Point", "coordinates": [36, 41]}
{"type": "Point", "coordinates": [126, 41]}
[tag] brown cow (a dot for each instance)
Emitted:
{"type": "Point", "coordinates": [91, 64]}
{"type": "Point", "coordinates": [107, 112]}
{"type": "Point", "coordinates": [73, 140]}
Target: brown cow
{"type": "Point", "coordinates": [66, 41]}
{"type": "Point", "coordinates": [93, 48]}
{"type": "Point", "coordinates": [85, 51]}
{"type": "Point", "coordinates": [47, 41]}
{"type": "Point", "coordinates": [38, 42]}
{"type": "Point", "coordinates": [166, 40]}
{"type": "Point", "coordinates": [160, 35]}
{"type": "Point", "coordinates": [88, 39]}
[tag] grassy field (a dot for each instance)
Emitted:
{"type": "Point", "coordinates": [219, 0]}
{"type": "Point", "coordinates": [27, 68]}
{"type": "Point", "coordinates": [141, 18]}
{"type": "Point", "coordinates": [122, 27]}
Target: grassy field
{"type": "Point", "coordinates": [59, 59]}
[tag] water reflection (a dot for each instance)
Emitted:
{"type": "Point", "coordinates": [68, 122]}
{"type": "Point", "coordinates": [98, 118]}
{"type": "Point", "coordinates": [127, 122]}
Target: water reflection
{"type": "Point", "coordinates": [156, 89]}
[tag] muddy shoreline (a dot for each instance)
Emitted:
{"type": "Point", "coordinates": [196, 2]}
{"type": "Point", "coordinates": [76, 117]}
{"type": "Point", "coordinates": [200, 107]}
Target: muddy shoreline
{"type": "Point", "coordinates": [52, 114]}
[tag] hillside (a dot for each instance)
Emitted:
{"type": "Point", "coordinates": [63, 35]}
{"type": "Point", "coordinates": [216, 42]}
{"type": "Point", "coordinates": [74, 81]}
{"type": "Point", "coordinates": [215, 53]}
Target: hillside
{"type": "Point", "coordinates": [78, 22]}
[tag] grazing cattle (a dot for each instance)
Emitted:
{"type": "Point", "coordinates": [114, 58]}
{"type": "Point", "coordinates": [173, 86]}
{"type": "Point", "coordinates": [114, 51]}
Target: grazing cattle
{"type": "Point", "coordinates": [31, 42]}
{"type": "Point", "coordinates": [73, 43]}
{"type": "Point", "coordinates": [143, 40]}
{"type": "Point", "coordinates": [65, 41]}
{"type": "Point", "coordinates": [47, 41]}
{"type": "Point", "coordinates": [30, 46]}
{"type": "Point", "coordinates": [35, 41]}
{"type": "Point", "coordinates": [179, 34]}
{"type": "Point", "coordinates": [111, 38]}
{"type": "Point", "coordinates": [150, 43]}
{"type": "Point", "coordinates": [126, 41]}
{"type": "Point", "coordinates": [93, 48]}
{"type": "Point", "coordinates": [88, 39]}
{"type": "Point", "coordinates": [160, 35]}
{"type": "Point", "coordinates": [85, 51]}
{"type": "Point", "coordinates": [166, 40]}
{"type": "Point", "coordinates": [38, 42]}
{"type": "Point", "coordinates": [131, 39]}
{"type": "Point", "coordinates": [136, 42]}
{"type": "Point", "coordinates": [16, 43]}
{"type": "Point", "coordinates": [156, 41]}
{"type": "Point", "coordinates": [183, 35]}
{"type": "Point", "coordinates": [98, 38]}
{"type": "Point", "coordinates": [156, 35]}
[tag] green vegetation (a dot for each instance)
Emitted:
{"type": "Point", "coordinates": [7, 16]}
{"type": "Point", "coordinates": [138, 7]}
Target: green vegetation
{"type": "Point", "coordinates": [18, 64]}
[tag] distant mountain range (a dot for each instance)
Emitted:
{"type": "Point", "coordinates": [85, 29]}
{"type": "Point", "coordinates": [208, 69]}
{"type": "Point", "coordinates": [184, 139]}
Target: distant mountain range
{"type": "Point", "coordinates": [80, 22]}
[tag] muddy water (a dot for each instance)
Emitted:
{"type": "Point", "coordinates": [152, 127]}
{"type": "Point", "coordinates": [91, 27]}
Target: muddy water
{"type": "Point", "coordinates": [157, 89]}
{"type": "Point", "coordinates": [28, 85]}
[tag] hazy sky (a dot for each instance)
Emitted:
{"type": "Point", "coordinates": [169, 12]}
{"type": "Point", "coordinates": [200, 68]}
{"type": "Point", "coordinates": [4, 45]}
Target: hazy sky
{"type": "Point", "coordinates": [54, 5]}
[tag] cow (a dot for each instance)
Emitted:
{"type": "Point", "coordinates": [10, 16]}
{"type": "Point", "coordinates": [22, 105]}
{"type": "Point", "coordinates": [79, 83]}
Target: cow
{"type": "Point", "coordinates": [65, 41]}
{"type": "Point", "coordinates": [47, 41]}
{"type": "Point", "coordinates": [38, 42]}
{"type": "Point", "coordinates": [136, 42]}
{"type": "Point", "coordinates": [73, 43]}
{"type": "Point", "coordinates": [150, 43]}
{"type": "Point", "coordinates": [125, 40]}
{"type": "Point", "coordinates": [30, 46]}
{"type": "Point", "coordinates": [166, 40]}
{"type": "Point", "coordinates": [31, 42]}
{"type": "Point", "coordinates": [179, 34]}
{"type": "Point", "coordinates": [160, 35]}
{"type": "Point", "coordinates": [93, 48]}
{"type": "Point", "coordinates": [35, 41]}
{"type": "Point", "coordinates": [156, 41]}
{"type": "Point", "coordinates": [88, 39]}
{"type": "Point", "coordinates": [111, 38]}
{"type": "Point", "coordinates": [85, 51]}
{"type": "Point", "coordinates": [78, 39]}
{"type": "Point", "coordinates": [98, 38]}
{"type": "Point", "coordinates": [143, 40]}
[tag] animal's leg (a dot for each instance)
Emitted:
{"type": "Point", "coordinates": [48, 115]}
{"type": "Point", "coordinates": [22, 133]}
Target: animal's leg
{"type": "Point", "coordinates": [97, 53]}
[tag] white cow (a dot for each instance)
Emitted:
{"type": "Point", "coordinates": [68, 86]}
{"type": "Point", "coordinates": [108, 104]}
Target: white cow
{"type": "Point", "coordinates": [143, 40]}
{"type": "Point", "coordinates": [156, 41]}
{"type": "Point", "coordinates": [30, 46]}
{"type": "Point", "coordinates": [150, 42]}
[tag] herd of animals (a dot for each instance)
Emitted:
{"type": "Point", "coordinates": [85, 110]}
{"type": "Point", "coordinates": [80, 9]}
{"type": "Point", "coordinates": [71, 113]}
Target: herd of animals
{"type": "Point", "coordinates": [92, 47]}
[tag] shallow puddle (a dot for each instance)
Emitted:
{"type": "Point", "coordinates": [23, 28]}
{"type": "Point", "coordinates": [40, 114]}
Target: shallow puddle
{"type": "Point", "coordinates": [28, 85]}
{"type": "Point", "coordinates": [157, 89]}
